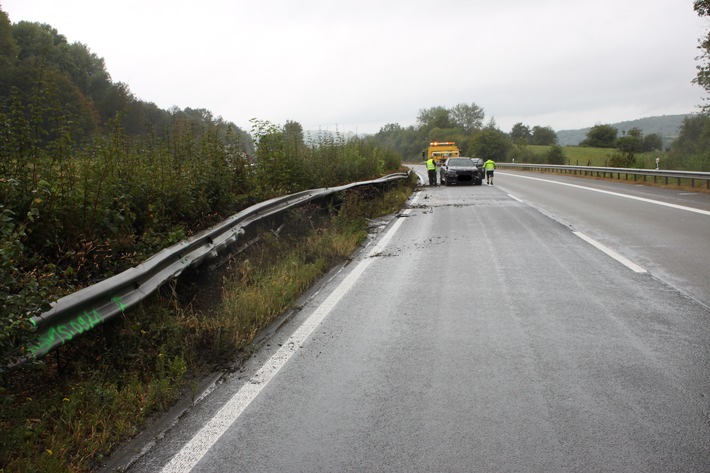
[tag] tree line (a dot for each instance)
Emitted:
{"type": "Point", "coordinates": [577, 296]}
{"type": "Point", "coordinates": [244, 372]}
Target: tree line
{"type": "Point", "coordinates": [38, 63]}
{"type": "Point", "coordinates": [465, 124]}
{"type": "Point", "coordinates": [93, 180]}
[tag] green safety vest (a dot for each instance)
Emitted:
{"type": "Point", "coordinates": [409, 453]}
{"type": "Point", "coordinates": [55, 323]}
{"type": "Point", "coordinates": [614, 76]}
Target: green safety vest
{"type": "Point", "coordinates": [430, 164]}
{"type": "Point", "coordinates": [489, 165]}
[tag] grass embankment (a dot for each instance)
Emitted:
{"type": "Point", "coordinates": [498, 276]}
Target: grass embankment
{"type": "Point", "coordinates": [68, 417]}
{"type": "Point", "coordinates": [599, 157]}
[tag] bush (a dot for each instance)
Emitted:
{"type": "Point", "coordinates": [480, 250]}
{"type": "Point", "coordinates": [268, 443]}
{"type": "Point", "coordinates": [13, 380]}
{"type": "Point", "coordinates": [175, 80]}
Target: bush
{"type": "Point", "coordinates": [522, 154]}
{"type": "Point", "coordinates": [26, 286]}
{"type": "Point", "coordinates": [556, 155]}
{"type": "Point", "coordinates": [622, 160]}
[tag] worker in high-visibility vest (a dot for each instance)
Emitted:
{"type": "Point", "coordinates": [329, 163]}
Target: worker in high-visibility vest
{"type": "Point", "coordinates": [431, 170]}
{"type": "Point", "coordinates": [489, 166]}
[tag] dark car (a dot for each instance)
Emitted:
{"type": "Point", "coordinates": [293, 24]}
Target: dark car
{"type": "Point", "coordinates": [479, 164]}
{"type": "Point", "coordinates": [460, 171]}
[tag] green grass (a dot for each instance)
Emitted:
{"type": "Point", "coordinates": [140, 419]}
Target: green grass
{"type": "Point", "coordinates": [598, 157]}
{"type": "Point", "coordinates": [54, 423]}
{"type": "Point", "coordinates": [111, 385]}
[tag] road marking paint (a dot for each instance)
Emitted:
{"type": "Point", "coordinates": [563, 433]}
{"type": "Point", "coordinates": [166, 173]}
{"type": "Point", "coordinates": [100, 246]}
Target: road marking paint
{"type": "Point", "coordinates": [626, 262]}
{"type": "Point", "coordinates": [513, 197]}
{"type": "Point", "coordinates": [617, 194]}
{"type": "Point", "coordinates": [193, 451]}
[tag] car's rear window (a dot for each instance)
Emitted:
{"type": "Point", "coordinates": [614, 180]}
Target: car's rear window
{"type": "Point", "coordinates": [460, 162]}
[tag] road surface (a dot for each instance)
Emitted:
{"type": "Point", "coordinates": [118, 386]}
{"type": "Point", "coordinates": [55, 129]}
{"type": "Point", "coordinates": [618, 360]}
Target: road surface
{"type": "Point", "coordinates": [486, 328]}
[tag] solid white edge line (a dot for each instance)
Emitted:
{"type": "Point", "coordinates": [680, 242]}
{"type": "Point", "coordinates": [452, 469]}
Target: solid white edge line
{"type": "Point", "coordinates": [626, 262]}
{"type": "Point", "coordinates": [617, 194]}
{"type": "Point", "coordinates": [193, 451]}
{"type": "Point", "coordinates": [513, 197]}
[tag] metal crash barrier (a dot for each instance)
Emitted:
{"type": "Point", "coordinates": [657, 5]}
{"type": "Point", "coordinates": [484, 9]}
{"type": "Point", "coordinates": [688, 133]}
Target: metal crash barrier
{"type": "Point", "coordinates": [83, 310]}
{"type": "Point", "coordinates": [635, 174]}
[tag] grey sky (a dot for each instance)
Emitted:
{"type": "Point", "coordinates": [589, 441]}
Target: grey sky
{"type": "Point", "coordinates": [358, 65]}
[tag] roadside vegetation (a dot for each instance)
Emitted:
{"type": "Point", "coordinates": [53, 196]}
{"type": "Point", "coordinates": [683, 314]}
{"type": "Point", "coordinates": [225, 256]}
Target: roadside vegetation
{"type": "Point", "coordinates": [588, 156]}
{"type": "Point", "coordinates": [68, 412]}
{"type": "Point", "coordinates": [94, 181]}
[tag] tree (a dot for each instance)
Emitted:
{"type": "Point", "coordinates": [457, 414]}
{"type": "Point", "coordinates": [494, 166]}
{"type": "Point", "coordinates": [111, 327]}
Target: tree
{"type": "Point", "coordinates": [631, 142]}
{"type": "Point", "coordinates": [467, 117]}
{"type": "Point", "coordinates": [702, 78]}
{"type": "Point", "coordinates": [444, 134]}
{"type": "Point", "coordinates": [691, 150]}
{"type": "Point", "coordinates": [390, 137]}
{"type": "Point", "coordinates": [491, 143]}
{"type": "Point", "coordinates": [38, 41]}
{"type": "Point", "coordinates": [601, 136]}
{"type": "Point", "coordinates": [520, 134]}
{"type": "Point", "coordinates": [293, 131]}
{"type": "Point", "coordinates": [693, 136]}
{"type": "Point", "coordinates": [8, 53]}
{"type": "Point", "coordinates": [404, 141]}
{"type": "Point", "coordinates": [652, 142]}
{"type": "Point", "coordinates": [435, 117]}
{"type": "Point", "coordinates": [543, 136]}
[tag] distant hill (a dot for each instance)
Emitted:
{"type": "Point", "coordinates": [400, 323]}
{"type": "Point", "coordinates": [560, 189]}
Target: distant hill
{"type": "Point", "coordinates": [666, 126]}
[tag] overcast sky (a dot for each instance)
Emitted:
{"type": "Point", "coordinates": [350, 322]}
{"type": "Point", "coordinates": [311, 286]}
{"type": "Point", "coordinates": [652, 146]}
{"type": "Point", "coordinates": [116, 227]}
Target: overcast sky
{"type": "Point", "coordinates": [358, 65]}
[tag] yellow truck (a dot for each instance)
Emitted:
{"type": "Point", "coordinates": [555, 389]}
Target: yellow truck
{"type": "Point", "coordinates": [441, 151]}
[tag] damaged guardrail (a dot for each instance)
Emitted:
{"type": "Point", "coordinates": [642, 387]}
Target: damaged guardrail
{"type": "Point", "coordinates": [77, 313]}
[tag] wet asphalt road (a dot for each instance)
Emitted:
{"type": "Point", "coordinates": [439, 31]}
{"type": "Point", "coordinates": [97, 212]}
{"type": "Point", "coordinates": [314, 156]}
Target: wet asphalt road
{"type": "Point", "coordinates": [483, 336]}
{"type": "Point", "coordinates": [673, 243]}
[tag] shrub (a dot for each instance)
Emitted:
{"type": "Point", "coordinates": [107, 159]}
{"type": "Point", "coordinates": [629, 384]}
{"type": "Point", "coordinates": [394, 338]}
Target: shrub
{"type": "Point", "coordinates": [556, 155]}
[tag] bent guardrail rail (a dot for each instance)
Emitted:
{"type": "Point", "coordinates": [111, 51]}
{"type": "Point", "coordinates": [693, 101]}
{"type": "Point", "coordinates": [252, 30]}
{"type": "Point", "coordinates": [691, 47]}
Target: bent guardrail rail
{"type": "Point", "coordinates": [666, 175]}
{"type": "Point", "coordinates": [83, 310]}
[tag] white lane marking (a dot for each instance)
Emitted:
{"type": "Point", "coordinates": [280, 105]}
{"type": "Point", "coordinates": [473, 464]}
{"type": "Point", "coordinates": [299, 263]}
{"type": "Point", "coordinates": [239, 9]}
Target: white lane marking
{"type": "Point", "coordinates": [626, 262]}
{"type": "Point", "coordinates": [640, 199]}
{"type": "Point", "coordinates": [193, 451]}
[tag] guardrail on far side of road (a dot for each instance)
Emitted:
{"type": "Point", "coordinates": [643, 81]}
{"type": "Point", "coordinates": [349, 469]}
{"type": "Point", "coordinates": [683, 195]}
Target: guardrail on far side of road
{"type": "Point", "coordinates": [664, 176]}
